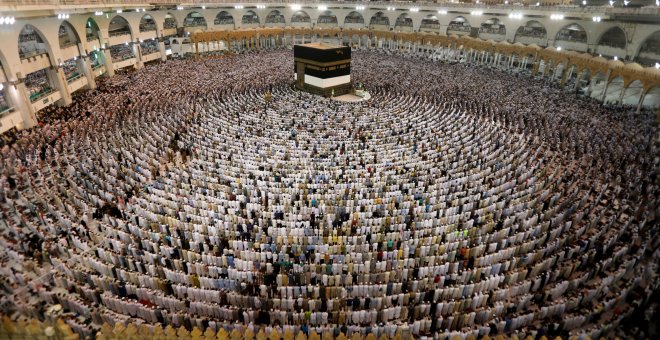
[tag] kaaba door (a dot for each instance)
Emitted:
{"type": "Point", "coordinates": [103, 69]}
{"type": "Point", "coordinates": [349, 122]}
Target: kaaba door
{"type": "Point", "coordinates": [300, 75]}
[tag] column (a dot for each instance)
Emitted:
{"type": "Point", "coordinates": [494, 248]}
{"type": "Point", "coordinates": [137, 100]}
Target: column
{"type": "Point", "coordinates": [161, 48]}
{"type": "Point", "coordinates": [607, 84]}
{"type": "Point", "coordinates": [85, 68]}
{"type": "Point", "coordinates": [18, 97]}
{"type": "Point", "coordinates": [137, 51]}
{"type": "Point", "coordinates": [57, 80]}
{"type": "Point", "coordinates": [107, 61]}
{"type": "Point", "coordinates": [623, 91]}
{"type": "Point", "coordinates": [577, 81]}
{"type": "Point", "coordinates": [641, 101]}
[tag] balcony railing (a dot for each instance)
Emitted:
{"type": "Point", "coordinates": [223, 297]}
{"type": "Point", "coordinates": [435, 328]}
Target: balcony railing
{"type": "Point", "coordinates": [73, 77]}
{"type": "Point", "coordinates": [36, 96]}
{"type": "Point", "coordinates": [5, 110]}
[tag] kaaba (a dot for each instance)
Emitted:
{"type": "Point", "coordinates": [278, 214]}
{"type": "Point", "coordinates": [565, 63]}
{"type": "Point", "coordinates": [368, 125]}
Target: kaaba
{"type": "Point", "coordinates": [323, 69]}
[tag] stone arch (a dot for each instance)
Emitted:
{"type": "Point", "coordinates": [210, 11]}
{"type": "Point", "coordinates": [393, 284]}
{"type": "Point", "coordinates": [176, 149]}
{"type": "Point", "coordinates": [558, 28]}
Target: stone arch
{"type": "Point", "coordinates": [354, 18]}
{"type": "Point", "coordinates": [91, 30]}
{"type": "Point", "coordinates": [119, 26]}
{"type": "Point", "coordinates": [67, 35]}
{"type": "Point", "coordinates": [533, 32]}
{"type": "Point", "coordinates": [649, 50]}
{"type": "Point", "coordinates": [224, 18]}
{"type": "Point", "coordinates": [404, 23]}
{"type": "Point", "coordinates": [275, 18]}
{"type": "Point", "coordinates": [301, 17]}
{"type": "Point", "coordinates": [250, 18]}
{"type": "Point", "coordinates": [170, 21]}
{"type": "Point", "coordinates": [327, 19]}
{"type": "Point", "coordinates": [491, 28]}
{"type": "Point", "coordinates": [632, 93]}
{"type": "Point", "coordinates": [613, 37]}
{"type": "Point", "coordinates": [572, 33]}
{"type": "Point", "coordinates": [379, 19]}
{"type": "Point", "coordinates": [195, 20]}
{"type": "Point", "coordinates": [430, 23]}
{"type": "Point", "coordinates": [652, 97]}
{"type": "Point", "coordinates": [32, 42]}
{"type": "Point", "coordinates": [147, 23]}
{"type": "Point", "coordinates": [614, 89]}
{"type": "Point", "coordinates": [459, 25]}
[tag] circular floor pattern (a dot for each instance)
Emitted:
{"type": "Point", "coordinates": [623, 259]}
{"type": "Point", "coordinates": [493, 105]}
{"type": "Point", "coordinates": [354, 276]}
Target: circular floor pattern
{"type": "Point", "coordinates": [408, 211]}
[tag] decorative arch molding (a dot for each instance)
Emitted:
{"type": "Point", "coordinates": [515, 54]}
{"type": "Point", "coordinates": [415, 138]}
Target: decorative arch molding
{"type": "Point", "coordinates": [65, 40]}
{"type": "Point", "coordinates": [47, 39]}
{"type": "Point", "coordinates": [579, 61]}
{"type": "Point", "coordinates": [355, 18]}
{"type": "Point", "coordinates": [131, 29]}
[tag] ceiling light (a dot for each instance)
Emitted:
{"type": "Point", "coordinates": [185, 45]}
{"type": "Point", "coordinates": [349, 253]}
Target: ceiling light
{"type": "Point", "coordinates": [296, 7]}
{"type": "Point", "coordinates": [442, 11]}
{"type": "Point", "coordinates": [414, 9]}
{"type": "Point", "coordinates": [322, 7]}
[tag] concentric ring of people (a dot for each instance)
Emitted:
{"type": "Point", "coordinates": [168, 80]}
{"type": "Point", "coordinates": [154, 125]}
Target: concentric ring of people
{"type": "Point", "coordinates": [449, 204]}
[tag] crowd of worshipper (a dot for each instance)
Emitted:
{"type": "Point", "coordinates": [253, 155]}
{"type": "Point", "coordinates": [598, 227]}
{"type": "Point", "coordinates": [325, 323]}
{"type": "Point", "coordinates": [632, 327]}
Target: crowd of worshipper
{"type": "Point", "coordinates": [37, 84]}
{"type": "Point", "coordinates": [121, 52]}
{"type": "Point", "coordinates": [450, 204]}
{"type": "Point", "coordinates": [149, 46]}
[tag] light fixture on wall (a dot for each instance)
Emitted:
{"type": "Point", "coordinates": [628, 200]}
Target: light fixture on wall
{"type": "Point", "coordinates": [584, 2]}
{"type": "Point", "coordinates": [558, 48]}
{"type": "Point", "coordinates": [616, 58]}
{"type": "Point", "coordinates": [596, 19]}
{"type": "Point", "coordinates": [239, 7]}
{"type": "Point", "coordinates": [442, 11]}
{"type": "Point", "coordinates": [476, 13]}
{"type": "Point", "coordinates": [179, 7]}
{"type": "Point", "coordinates": [414, 9]}
{"type": "Point", "coordinates": [657, 65]}
{"type": "Point", "coordinates": [391, 8]}
{"type": "Point", "coordinates": [98, 13]}
{"type": "Point", "coordinates": [261, 6]}
{"type": "Point", "coordinates": [322, 7]}
{"type": "Point", "coordinates": [515, 16]}
{"type": "Point", "coordinates": [119, 11]}
{"type": "Point", "coordinates": [296, 7]}
{"type": "Point", "coordinates": [203, 7]}
{"type": "Point", "coordinates": [62, 16]}
{"type": "Point", "coordinates": [7, 20]}
{"type": "Point", "coordinates": [359, 8]}
{"type": "Point", "coordinates": [556, 17]}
